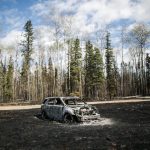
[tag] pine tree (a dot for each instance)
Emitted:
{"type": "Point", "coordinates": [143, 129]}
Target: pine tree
{"type": "Point", "coordinates": [94, 75]}
{"type": "Point", "coordinates": [50, 78]}
{"type": "Point", "coordinates": [27, 50]}
{"type": "Point", "coordinates": [117, 79]}
{"type": "Point", "coordinates": [9, 80]}
{"type": "Point", "coordinates": [1, 76]}
{"type": "Point", "coordinates": [75, 67]}
{"type": "Point", "coordinates": [89, 70]}
{"type": "Point", "coordinates": [148, 73]}
{"type": "Point", "coordinates": [2, 81]}
{"type": "Point", "coordinates": [45, 81]}
{"type": "Point", "coordinates": [36, 78]}
{"type": "Point", "coordinates": [110, 77]}
{"type": "Point", "coordinates": [98, 77]}
{"type": "Point", "coordinates": [56, 82]}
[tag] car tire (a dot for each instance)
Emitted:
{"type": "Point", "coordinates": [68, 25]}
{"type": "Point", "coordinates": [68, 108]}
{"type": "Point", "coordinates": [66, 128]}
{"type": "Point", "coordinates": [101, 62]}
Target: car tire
{"type": "Point", "coordinates": [68, 118]}
{"type": "Point", "coordinates": [43, 115]}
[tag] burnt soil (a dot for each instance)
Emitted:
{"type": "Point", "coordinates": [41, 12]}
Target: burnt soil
{"type": "Point", "coordinates": [128, 128]}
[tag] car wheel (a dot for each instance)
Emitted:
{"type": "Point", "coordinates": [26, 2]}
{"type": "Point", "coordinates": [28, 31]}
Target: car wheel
{"type": "Point", "coordinates": [43, 115]}
{"type": "Point", "coordinates": [68, 118]}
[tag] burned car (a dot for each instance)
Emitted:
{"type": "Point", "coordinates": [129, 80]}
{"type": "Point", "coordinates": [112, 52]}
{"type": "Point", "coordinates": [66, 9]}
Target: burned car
{"type": "Point", "coordinates": [68, 109]}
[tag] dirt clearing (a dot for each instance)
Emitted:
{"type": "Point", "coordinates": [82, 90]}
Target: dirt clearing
{"type": "Point", "coordinates": [122, 126]}
{"type": "Point", "coordinates": [21, 106]}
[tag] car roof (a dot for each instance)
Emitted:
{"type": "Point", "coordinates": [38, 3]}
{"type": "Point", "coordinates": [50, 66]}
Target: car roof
{"type": "Point", "coordinates": [67, 97]}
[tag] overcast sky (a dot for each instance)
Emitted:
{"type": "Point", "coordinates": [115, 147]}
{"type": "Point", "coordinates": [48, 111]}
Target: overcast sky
{"type": "Point", "coordinates": [88, 16]}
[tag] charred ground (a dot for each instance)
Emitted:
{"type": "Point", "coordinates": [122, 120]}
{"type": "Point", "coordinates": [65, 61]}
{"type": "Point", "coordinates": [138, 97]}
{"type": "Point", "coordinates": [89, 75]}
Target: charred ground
{"type": "Point", "coordinates": [124, 126]}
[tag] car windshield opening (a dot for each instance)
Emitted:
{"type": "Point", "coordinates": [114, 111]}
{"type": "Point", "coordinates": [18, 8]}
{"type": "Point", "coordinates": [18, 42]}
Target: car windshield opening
{"type": "Point", "coordinates": [73, 102]}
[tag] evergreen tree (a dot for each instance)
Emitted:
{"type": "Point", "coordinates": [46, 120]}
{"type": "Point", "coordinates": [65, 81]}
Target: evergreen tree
{"type": "Point", "coordinates": [44, 81]}
{"type": "Point", "coordinates": [56, 82]}
{"type": "Point", "coordinates": [117, 79]}
{"type": "Point", "coordinates": [75, 67]}
{"type": "Point", "coordinates": [9, 80]}
{"type": "Point", "coordinates": [98, 77]}
{"type": "Point", "coordinates": [148, 73]}
{"type": "Point", "coordinates": [94, 76]}
{"type": "Point", "coordinates": [50, 78]}
{"type": "Point", "coordinates": [26, 52]}
{"type": "Point", "coordinates": [110, 77]}
{"type": "Point", "coordinates": [37, 87]}
{"type": "Point", "coordinates": [89, 69]}
{"type": "Point", "coordinates": [3, 80]}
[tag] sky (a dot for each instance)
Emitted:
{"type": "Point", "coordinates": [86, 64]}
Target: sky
{"type": "Point", "coordinates": [87, 17]}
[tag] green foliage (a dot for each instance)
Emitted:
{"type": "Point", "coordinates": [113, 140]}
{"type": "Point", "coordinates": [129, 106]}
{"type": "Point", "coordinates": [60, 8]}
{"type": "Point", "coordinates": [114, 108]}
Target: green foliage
{"type": "Point", "coordinates": [6, 80]}
{"type": "Point", "coordinates": [50, 77]}
{"type": "Point", "coordinates": [148, 73]}
{"type": "Point", "coordinates": [3, 72]}
{"type": "Point", "coordinates": [94, 76]}
{"type": "Point", "coordinates": [75, 66]}
{"type": "Point", "coordinates": [27, 50]}
{"type": "Point", "coordinates": [9, 80]}
{"type": "Point", "coordinates": [110, 70]}
{"type": "Point", "coordinates": [98, 67]}
{"type": "Point", "coordinates": [83, 77]}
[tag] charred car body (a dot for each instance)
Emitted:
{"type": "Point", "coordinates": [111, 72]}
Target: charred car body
{"type": "Point", "coordinates": [68, 109]}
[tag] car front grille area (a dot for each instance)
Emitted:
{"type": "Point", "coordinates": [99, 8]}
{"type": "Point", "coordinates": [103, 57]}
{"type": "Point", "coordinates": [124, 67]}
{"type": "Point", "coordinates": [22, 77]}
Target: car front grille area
{"type": "Point", "coordinates": [86, 111]}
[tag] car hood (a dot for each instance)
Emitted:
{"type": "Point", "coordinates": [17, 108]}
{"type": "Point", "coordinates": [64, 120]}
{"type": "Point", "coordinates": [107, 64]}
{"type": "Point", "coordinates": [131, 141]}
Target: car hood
{"type": "Point", "coordinates": [79, 106]}
{"type": "Point", "coordinates": [84, 109]}
{"type": "Point", "coordinates": [84, 112]}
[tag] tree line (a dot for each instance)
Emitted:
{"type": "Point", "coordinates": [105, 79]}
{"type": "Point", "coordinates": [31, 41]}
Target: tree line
{"type": "Point", "coordinates": [88, 73]}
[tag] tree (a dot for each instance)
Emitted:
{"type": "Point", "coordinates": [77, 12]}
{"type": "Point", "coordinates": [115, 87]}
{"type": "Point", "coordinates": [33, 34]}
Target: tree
{"type": "Point", "coordinates": [56, 92]}
{"type": "Point", "coordinates": [140, 35]}
{"type": "Point", "coordinates": [123, 41]}
{"type": "Point", "coordinates": [110, 77]}
{"type": "Point", "coordinates": [117, 79]}
{"type": "Point", "coordinates": [3, 73]}
{"type": "Point", "coordinates": [75, 66]}
{"type": "Point", "coordinates": [88, 69]}
{"type": "Point", "coordinates": [9, 80]}
{"type": "Point", "coordinates": [2, 81]}
{"type": "Point", "coordinates": [27, 49]}
{"type": "Point", "coordinates": [44, 81]}
{"type": "Point", "coordinates": [50, 78]}
{"type": "Point", "coordinates": [98, 78]}
{"type": "Point", "coordinates": [148, 73]}
{"type": "Point", "coordinates": [93, 71]}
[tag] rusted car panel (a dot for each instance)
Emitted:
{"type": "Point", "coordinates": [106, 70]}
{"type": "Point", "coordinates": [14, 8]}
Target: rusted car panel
{"type": "Point", "coordinates": [68, 109]}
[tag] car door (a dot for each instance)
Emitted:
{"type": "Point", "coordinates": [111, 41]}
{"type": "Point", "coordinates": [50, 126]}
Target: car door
{"type": "Point", "coordinates": [58, 109]}
{"type": "Point", "coordinates": [50, 108]}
